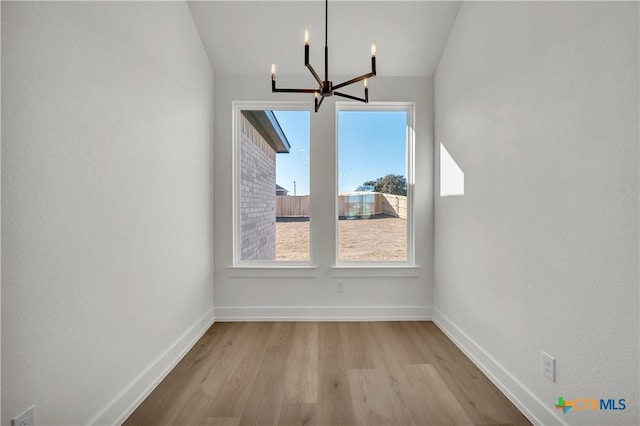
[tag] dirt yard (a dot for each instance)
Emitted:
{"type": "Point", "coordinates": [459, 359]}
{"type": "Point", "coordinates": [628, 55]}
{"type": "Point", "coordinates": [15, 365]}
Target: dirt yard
{"type": "Point", "coordinates": [380, 239]}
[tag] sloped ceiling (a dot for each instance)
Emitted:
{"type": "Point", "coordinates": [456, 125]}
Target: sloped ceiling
{"type": "Point", "coordinates": [246, 37]}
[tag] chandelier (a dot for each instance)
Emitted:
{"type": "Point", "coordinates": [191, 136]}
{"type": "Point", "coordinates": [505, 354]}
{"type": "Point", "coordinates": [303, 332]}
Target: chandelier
{"type": "Point", "coordinates": [326, 87]}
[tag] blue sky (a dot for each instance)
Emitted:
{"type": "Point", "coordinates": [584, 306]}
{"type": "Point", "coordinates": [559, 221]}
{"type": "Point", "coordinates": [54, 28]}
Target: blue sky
{"type": "Point", "coordinates": [372, 145]}
{"type": "Point", "coordinates": [294, 166]}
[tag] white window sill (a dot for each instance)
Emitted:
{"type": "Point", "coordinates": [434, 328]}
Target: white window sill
{"type": "Point", "coordinates": [272, 271]}
{"type": "Point", "coordinates": [373, 271]}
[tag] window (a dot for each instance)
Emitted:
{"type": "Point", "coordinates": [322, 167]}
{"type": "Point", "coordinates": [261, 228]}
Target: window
{"type": "Point", "coordinates": [271, 186]}
{"type": "Point", "coordinates": [375, 183]}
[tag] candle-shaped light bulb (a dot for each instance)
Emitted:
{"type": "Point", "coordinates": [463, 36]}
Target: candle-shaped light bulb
{"type": "Point", "coordinates": [306, 37]}
{"type": "Point", "coordinates": [373, 49]}
{"type": "Point", "coordinates": [366, 84]}
{"type": "Point", "coordinates": [273, 70]}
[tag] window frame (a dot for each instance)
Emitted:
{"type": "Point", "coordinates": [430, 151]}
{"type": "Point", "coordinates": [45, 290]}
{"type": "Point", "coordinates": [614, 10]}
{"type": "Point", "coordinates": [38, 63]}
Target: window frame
{"type": "Point", "coordinates": [409, 108]}
{"type": "Point", "coordinates": [237, 108]}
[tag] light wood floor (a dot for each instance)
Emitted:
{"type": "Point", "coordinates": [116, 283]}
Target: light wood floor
{"type": "Point", "coordinates": [357, 373]}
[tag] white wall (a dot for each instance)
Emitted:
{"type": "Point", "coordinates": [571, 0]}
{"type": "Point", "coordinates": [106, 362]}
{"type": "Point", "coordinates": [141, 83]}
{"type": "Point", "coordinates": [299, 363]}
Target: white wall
{"type": "Point", "coordinates": [107, 205]}
{"type": "Point", "coordinates": [538, 104]}
{"type": "Point", "coordinates": [368, 293]}
{"type": "Point", "coordinates": [0, 222]}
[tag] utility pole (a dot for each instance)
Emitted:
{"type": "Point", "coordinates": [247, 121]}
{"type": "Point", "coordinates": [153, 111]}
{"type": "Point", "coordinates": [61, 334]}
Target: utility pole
{"type": "Point", "coordinates": [294, 188]}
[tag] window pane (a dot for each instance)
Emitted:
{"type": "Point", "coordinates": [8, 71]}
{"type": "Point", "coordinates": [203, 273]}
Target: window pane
{"type": "Point", "coordinates": [372, 193]}
{"type": "Point", "coordinates": [274, 186]}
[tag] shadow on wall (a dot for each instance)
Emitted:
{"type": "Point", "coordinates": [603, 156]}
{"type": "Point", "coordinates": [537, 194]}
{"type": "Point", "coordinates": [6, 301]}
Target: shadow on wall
{"type": "Point", "coordinates": [451, 175]}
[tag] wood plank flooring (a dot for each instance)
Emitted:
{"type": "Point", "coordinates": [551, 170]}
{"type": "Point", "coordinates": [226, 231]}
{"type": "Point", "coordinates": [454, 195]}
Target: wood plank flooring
{"type": "Point", "coordinates": [327, 373]}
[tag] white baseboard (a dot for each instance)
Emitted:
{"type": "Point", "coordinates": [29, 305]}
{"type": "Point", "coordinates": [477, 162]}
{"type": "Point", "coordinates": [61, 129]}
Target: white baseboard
{"type": "Point", "coordinates": [121, 407]}
{"type": "Point", "coordinates": [323, 313]}
{"type": "Point", "coordinates": [531, 406]}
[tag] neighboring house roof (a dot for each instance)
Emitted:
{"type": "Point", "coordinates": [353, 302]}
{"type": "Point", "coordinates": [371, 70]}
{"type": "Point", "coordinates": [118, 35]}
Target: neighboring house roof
{"type": "Point", "coordinates": [280, 189]}
{"type": "Point", "coordinates": [266, 123]}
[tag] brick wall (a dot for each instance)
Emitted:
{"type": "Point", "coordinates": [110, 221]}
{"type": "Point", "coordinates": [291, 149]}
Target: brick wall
{"type": "Point", "coordinates": [257, 196]}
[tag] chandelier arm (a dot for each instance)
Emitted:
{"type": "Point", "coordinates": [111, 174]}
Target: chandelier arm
{"type": "Point", "coordinates": [354, 80]}
{"type": "Point", "coordinates": [314, 73]}
{"type": "Point", "coordinates": [355, 98]}
{"type": "Point", "coordinates": [318, 103]}
{"type": "Point", "coordinates": [295, 90]}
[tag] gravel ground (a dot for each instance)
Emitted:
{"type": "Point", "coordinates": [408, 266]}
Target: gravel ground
{"type": "Point", "coordinates": [379, 239]}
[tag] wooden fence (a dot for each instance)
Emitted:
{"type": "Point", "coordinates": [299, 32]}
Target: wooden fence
{"type": "Point", "coordinates": [294, 205]}
{"type": "Point", "coordinates": [363, 204]}
{"type": "Point", "coordinates": [394, 205]}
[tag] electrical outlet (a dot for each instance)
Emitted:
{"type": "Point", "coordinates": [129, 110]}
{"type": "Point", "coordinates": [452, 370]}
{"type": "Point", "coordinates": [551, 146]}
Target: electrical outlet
{"type": "Point", "coordinates": [340, 286]}
{"type": "Point", "coordinates": [25, 419]}
{"type": "Point", "coordinates": [548, 367]}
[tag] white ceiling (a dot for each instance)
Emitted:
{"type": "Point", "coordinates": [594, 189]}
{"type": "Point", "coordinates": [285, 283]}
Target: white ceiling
{"type": "Point", "coordinates": [246, 37]}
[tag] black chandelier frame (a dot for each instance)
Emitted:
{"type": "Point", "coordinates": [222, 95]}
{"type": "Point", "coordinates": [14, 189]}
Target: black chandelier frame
{"type": "Point", "coordinates": [326, 87]}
